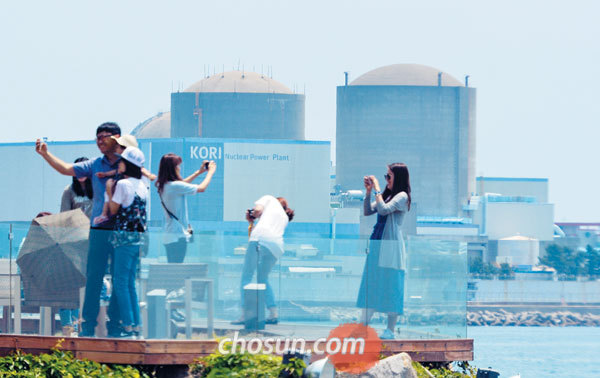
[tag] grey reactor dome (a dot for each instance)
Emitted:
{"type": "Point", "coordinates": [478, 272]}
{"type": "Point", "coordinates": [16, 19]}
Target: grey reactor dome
{"type": "Point", "coordinates": [237, 104]}
{"type": "Point", "coordinates": [413, 114]}
{"type": "Point", "coordinates": [158, 126]}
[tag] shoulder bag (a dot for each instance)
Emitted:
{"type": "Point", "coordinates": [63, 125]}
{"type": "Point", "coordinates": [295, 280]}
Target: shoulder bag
{"type": "Point", "coordinates": [189, 230]}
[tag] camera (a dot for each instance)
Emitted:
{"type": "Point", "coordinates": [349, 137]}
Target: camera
{"type": "Point", "coordinates": [250, 213]}
{"type": "Point", "coordinates": [206, 165]}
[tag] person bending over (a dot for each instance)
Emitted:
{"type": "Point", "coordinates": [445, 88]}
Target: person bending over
{"type": "Point", "coordinates": [265, 246]}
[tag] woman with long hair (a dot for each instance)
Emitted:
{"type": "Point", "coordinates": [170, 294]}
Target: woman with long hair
{"type": "Point", "coordinates": [382, 284]}
{"type": "Point", "coordinates": [172, 189]}
{"type": "Point", "coordinates": [127, 200]}
{"type": "Point", "coordinates": [77, 195]}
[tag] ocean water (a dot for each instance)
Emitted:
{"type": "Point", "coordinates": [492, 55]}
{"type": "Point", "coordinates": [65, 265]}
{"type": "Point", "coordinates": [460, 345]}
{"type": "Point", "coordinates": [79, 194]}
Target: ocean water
{"type": "Point", "coordinates": [571, 352]}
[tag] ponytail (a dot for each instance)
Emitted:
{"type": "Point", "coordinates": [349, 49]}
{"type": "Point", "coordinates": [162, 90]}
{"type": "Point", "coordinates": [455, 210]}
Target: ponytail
{"type": "Point", "coordinates": [290, 214]}
{"type": "Point", "coordinates": [288, 211]}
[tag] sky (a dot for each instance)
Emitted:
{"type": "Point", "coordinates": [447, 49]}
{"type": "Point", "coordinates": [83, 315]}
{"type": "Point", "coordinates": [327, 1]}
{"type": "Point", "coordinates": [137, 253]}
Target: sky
{"type": "Point", "coordinates": [68, 66]}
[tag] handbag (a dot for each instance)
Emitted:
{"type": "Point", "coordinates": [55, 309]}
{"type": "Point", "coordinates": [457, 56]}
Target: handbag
{"type": "Point", "coordinates": [189, 230]}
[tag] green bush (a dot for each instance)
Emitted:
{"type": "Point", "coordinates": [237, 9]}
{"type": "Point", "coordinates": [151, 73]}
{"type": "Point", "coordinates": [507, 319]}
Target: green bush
{"type": "Point", "coordinates": [482, 270]}
{"type": "Point", "coordinates": [61, 364]}
{"type": "Point", "coordinates": [462, 369]}
{"type": "Point", "coordinates": [236, 364]}
{"type": "Point", "coordinates": [567, 262]}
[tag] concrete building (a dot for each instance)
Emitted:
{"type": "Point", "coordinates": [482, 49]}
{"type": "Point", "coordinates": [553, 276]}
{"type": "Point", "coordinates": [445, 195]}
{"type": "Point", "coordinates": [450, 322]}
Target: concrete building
{"type": "Point", "coordinates": [237, 104]}
{"type": "Point", "coordinates": [515, 187]}
{"type": "Point", "coordinates": [578, 235]}
{"type": "Point", "coordinates": [518, 251]}
{"type": "Point", "coordinates": [508, 207]}
{"type": "Point", "coordinates": [414, 114]}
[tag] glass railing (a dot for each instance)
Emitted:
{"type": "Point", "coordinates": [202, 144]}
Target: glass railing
{"type": "Point", "coordinates": [315, 285]}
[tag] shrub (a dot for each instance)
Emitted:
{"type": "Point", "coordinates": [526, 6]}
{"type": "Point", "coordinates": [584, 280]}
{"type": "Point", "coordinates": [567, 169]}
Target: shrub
{"type": "Point", "coordinates": [443, 370]}
{"type": "Point", "coordinates": [236, 364]}
{"type": "Point", "coordinates": [482, 270]}
{"type": "Point", "coordinates": [59, 364]}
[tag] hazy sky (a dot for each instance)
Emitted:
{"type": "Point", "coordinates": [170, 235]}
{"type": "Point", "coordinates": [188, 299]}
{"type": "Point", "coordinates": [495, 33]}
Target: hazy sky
{"type": "Point", "coordinates": [67, 66]}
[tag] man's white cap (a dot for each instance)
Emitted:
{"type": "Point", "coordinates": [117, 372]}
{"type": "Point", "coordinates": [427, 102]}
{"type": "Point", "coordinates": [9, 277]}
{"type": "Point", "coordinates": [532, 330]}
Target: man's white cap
{"type": "Point", "coordinates": [126, 140]}
{"type": "Point", "coordinates": [133, 155]}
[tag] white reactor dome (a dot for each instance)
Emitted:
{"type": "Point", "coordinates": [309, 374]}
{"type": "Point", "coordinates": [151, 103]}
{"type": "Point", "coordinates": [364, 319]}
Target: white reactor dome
{"type": "Point", "coordinates": [406, 74]}
{"type": "Point", "coordinates": [239, 82]}
{"type": "Point", "coordinates": [158, 126]}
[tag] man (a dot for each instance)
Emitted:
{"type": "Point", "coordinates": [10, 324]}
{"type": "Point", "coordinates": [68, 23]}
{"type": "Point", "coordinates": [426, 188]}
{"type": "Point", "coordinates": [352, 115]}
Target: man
{"type": "Point", "coordinates": [100, 249]}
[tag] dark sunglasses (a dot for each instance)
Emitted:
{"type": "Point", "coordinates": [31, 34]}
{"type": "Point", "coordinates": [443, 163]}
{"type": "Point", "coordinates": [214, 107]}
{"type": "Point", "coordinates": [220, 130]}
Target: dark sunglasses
{"type": "Point", "coordinates": [102, 136]}
{"type": "Point", "coordinates": [387, 176]}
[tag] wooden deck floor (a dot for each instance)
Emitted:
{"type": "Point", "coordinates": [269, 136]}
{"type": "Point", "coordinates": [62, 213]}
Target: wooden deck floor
{"type": "Point", "coordinates": [183, 352]}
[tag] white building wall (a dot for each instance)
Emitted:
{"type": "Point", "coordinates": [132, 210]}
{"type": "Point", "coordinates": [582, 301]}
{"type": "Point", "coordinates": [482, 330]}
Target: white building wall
{"type": "Point", "coordinates": [509, 186]}
{"type": "Point", "coordinates": [519, 252]}
{"type": "Point", "coordinates": [300, 173]}
{"type": "Point", "coordinates": [533, 220]}
{"type": "Point", "coordinates": [529, 291]}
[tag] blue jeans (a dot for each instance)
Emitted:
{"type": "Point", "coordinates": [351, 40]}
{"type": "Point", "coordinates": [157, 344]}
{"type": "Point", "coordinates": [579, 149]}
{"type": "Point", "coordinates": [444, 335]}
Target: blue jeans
{"type": "Point", "coordinates": [99, 252]}
{"type": "Point", "coordinates": [67, 316]}
{"type": "Point", "coordinates": [261, 260]}
{"type": "Point", "coordinates": [125, 265]}
{"type": "Point", "coordinates": [176, 251]}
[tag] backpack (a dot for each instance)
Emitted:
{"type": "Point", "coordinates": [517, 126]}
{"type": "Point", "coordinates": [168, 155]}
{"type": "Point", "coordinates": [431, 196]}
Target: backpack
{"type": "Point", "coordinates": [130, 226]}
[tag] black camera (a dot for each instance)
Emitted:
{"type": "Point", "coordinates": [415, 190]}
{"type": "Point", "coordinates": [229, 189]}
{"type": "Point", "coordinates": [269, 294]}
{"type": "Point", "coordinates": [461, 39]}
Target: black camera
{"type": "Point", "coordinates": [206, 165]}
{"type": "Point", "coordinates": [250, 213]}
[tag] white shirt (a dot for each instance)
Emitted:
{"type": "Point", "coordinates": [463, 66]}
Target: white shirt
{"type": "Point", "coordinates": [174, 196]}
{"type": "Point", "coordinates": [271, 225]}
{"type": "Point", "coordinates": [126, 189]}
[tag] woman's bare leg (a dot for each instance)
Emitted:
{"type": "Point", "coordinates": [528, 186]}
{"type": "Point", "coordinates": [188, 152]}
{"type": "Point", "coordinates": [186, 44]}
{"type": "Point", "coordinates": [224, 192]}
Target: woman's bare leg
{"type": "Point", "coordinates": [392, 320]}
{"type": "Point", "coordinates": [366, 315]}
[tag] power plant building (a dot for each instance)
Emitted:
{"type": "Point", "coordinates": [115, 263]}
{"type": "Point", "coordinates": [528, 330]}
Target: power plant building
{"type": "Point", "coordinates": [246, 170]}
{"type": "Point", "coordinates": [413, 114]}
{"type": "Point", "coordinates": [237, 104]}
{"type": "Point", "coordinates": [158, 126]}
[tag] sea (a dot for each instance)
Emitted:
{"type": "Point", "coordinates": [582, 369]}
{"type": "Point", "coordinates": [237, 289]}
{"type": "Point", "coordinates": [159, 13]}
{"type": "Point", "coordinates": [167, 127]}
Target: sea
{"type": "Point", "coordinates": [538, 351]}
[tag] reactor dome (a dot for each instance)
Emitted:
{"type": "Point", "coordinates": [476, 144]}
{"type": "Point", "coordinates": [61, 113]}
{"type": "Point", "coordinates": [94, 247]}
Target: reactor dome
{"type": "Point", "coordinates": [158, 126]}
{"type": "Point", "coordinates": [240, 82]}
{"type": "Point", "coordinates": [406, 74]}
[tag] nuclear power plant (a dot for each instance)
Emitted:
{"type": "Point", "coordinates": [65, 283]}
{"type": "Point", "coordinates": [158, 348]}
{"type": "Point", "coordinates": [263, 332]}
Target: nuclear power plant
{"type": "Point", "coordinates": [234, 104]}
{"type": "Point", "coordinates": [253, 126]}
{"type": "Point", "coordinates": [413, 114]}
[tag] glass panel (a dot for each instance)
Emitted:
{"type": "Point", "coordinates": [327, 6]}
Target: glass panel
{"type": "Point", "coordinates": [316, 286]}
{"type": "Point", "coordinates": [436, 290]}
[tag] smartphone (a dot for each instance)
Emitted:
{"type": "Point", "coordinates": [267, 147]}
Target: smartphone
{"type": "Point", "coordinates": [206, 165]}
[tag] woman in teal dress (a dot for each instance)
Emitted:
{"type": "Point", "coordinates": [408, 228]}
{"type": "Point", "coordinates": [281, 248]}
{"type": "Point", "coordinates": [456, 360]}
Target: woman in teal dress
{"type": "Point", "coordinates": [382, 284]}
